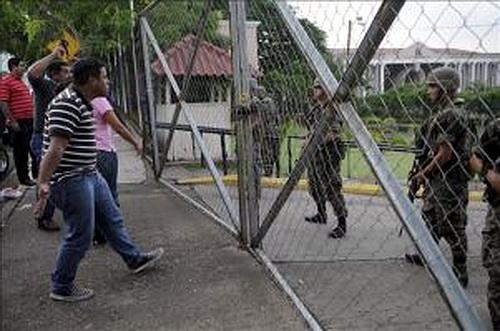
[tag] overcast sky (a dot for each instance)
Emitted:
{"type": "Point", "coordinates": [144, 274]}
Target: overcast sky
{"type": "Point", "coordinates": [471, 25]}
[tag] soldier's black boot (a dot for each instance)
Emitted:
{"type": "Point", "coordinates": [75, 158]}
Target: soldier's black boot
{"type": "Point", "coordinates": [464, 280]}
{"type": "Point", "coordinates": [318, 218]}
{"type": "Point", "coordinates": [462, 275]}
{"type": "Point", "coordinates": [340, 230]}
{"type": "Point", "coordinates": [414, 259]}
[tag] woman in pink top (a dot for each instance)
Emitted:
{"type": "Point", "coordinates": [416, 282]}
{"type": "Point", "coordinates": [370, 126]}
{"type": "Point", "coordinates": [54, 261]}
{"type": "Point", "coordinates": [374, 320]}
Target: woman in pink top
{"type": "Point", "coordinates": [106, 122]}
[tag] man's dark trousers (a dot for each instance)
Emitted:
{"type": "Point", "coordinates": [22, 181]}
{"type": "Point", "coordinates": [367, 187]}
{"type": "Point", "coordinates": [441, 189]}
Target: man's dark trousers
{"type": "Point", "coordinates": [22, 150]}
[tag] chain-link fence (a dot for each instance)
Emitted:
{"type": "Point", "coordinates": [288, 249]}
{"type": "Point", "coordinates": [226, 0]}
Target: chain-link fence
{"type": "Point", "coordinates": [300, 124]}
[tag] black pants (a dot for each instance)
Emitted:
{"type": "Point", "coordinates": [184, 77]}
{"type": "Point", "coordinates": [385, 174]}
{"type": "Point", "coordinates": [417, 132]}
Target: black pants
{"type": "Point", "coordinates": [22, 150]}
{"type": "Point", "coordinates": [325, 180]}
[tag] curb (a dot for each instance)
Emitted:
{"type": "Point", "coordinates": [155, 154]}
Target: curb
{"type": "Point", "coordinates": [268, 182]}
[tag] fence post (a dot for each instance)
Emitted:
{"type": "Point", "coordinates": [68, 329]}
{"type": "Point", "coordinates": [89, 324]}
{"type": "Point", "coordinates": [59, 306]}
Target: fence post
{"type": "Point", "coordinates": [123, 78]}
{"type": "Point", "coordinates": [289, 150]}
{"type": "Point", "coordinates": [150, 96]}
{"type": "Point", "coordinates": [247, 181]}
{"type": "Point", "coordinates": [134, 64]}
{"type": "Point", "coordinates": [224, 153]}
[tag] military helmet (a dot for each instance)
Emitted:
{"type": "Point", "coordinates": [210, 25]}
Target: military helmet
{"type": "Point", "coordinates": [317, 83]}
{"type": "Point", "coordinates": [446, 77]}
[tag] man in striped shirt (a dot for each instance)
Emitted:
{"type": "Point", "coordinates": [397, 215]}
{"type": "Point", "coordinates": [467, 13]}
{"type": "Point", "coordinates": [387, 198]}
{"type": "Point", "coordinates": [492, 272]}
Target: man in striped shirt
{"type": "Point", "coordinates": [17, 103]}
{"type": "Point", "coordinates": [68, 168]}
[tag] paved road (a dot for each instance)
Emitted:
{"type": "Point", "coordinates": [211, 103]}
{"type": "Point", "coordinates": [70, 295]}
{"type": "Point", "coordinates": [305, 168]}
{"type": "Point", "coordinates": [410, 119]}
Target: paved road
{"type": "Point", "coordinates": [360, 282]}
{"type": "Point", "coordinates": [204, 282]}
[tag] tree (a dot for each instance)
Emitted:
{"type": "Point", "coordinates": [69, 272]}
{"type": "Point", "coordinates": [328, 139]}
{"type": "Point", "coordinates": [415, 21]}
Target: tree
{"type": "Point", "coordinates": [173, 20]}
{"type": "Point", "coordinates": [28, 25]}
{"type": "Point", "coordinates": [31, 24]}
{"type": "Point", "coordinates": [286, 74]}
{"type": "Point", "coordinates": [13, 37]}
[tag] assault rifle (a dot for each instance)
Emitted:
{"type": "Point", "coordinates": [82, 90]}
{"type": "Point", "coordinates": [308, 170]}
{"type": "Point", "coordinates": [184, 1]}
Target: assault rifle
{"type": "Point", "coordinates": [421, 160]}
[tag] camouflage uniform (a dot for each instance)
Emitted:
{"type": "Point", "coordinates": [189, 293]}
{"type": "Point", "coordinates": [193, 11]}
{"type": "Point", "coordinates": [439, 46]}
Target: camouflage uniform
{"type": "Point", "coordinates": [491, 231]}
{"type": "Point", "coordinates": [446, 192]}
{"type": "Point", "coordinates": [323, 170]}
{"type": "Point", "coordinates": [267, 133]}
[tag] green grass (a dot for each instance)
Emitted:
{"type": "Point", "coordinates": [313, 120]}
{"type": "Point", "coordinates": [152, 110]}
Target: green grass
{"type": "Point", "coordinates": [353, 165]}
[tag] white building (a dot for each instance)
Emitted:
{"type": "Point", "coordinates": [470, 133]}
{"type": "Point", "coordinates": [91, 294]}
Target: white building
{"type": "Point", "coordinates": [394, 66]}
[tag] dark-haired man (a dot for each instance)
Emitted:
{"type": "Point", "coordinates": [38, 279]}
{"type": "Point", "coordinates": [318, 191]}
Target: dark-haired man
{"type": "Point", "coordinates": [57, 72]}
{"type": "Point", "coordinates": [68, 167]}
{"type": "Point", "coordinates": [17, 103]}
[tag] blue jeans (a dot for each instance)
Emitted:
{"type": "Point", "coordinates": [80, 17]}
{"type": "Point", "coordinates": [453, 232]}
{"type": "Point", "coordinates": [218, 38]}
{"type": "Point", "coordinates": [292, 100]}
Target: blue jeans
{"type": "Point", "coordinates": [36, 147]}
{"type": "Point", "coordinates": [107, 165]}
{"type": "Point", "coordinates": [80, 197]}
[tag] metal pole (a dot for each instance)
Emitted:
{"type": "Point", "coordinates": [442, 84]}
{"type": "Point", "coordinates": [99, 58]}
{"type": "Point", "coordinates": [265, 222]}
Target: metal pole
{"type": "Point", "coordinates": [247, 180]}
{"type": "Point", "coordinates": [123, 81]}
{"type": "Point", "coordinates": [151, 103]}
{"type": "Point", "coordinates": [289, 150]}
{"type": "Point", "coordinates": [189, 117]}
{"type": "Point", "coordinates": [349, 28]}
{"type": "Point", "coordinates": [224, 153]}
{"type": "Point", "coordinates": [202, 24]}
{"type": "Point", "coordinates": [149, 7]}
{"type": "Point", "coordinates": [134, 63]}
{"type": "Point", "coordinates": [453, 293]}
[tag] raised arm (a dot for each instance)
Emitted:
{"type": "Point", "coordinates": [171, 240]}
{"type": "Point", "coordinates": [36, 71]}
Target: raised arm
{"type": "Point", "coordinates": [38, 68]}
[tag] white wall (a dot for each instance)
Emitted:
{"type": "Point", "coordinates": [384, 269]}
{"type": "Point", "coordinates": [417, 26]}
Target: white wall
{"type": "Point", "coordinates": [215, 115]}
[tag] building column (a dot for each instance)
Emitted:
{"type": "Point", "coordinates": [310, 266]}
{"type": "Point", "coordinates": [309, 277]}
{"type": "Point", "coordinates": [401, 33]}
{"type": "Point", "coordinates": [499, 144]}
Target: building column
{"type": "Point", "coordinates": [473, 72]}
{"type": "Point", "coordinates": [496, 74]}
{"type": "Point", "coordinates": [461, 75]}
{"type": "Point", "coordinates": [382, 69]}
{"type": "Point", "coordinates": [485, 73]}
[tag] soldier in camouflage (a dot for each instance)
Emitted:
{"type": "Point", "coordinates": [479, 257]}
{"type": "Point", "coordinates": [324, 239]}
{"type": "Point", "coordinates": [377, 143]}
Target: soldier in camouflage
{"type": "Point", "coordinates": [445, 176]}
{"type": "Point", "coordinates": [323, 170]}
{"type": "Point", "coordinates": [267, 129]}
{"type": "Point", "coordinates": [486, 162]}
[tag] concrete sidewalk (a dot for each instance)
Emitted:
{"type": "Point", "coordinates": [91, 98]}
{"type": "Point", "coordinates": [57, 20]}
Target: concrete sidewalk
{"type": "Point", "coordinates": [203, 282]}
